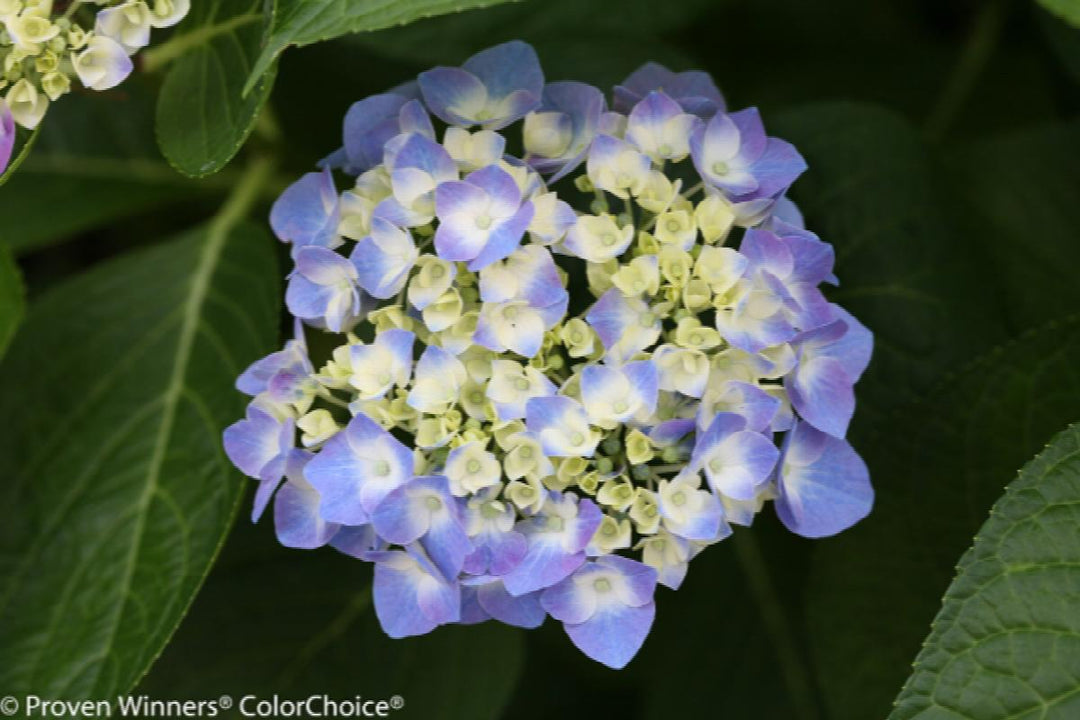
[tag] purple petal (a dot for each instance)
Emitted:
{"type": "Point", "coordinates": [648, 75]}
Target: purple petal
{"type": "Point", "coordinates": [7, 135]}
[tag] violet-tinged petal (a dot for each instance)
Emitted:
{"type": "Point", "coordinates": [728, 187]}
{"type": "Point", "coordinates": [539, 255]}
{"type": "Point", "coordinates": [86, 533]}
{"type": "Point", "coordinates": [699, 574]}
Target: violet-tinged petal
{"type": "Point", "coordinates": [307, 212]}
{"type": "Point", "coordinates": [824, 485]}
{"type": "Point", "coordinates": [522, 611]}
{"type": "Point", "coordinates": [410, 597]}
{"type": "Point", "coordinates": [614, 636]}
{"type": "Point", "coordinates": [356, 469]}
{"type": "Point", "coordinates": [7, 135]}
{"type": "Point", "coordinates": [368, 125]}
{"type": "Point", "coordinates": [296, 509]}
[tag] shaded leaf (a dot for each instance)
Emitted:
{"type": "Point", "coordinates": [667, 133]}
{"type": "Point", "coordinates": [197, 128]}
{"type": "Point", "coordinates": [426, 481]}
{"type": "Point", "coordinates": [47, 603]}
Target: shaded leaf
{"type": "Point", "coordinates": [937, 468]}
{"type": "Point", "coordinates": [11, 298]}
{"type": "Point", "coordinates": [941, 432]}
{"type": "Point", "coordinates": [302, 22]}
{"type": "Point", "coordinates": [95, 162]}
{"type": "Point", "coordinates": [1007, 640]}
{"type": "Point", "coordinates": [1067, 10]}
{"type": "Point", "coordinates": [873, 191]}
{"type": "Point", "coordinates": [117, 495]}
{"type": "Point", "coordinates": [203, 115]}
{"type": "Point", "coordinates": [295, 623]}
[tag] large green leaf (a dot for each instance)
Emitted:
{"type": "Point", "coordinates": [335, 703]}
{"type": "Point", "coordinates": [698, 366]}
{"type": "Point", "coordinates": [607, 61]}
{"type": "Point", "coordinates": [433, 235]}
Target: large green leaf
{"type": "Point", "coordinates": [11, 298]}
{"type": "Point", "coordinates": [302, 22]}
{"type": "Point", "coordinates": [116, 494]}
{"type": "Point", "coordinates": [95, 161]}
{"type": "Point", "coordinates": [1006, 643]}
{"type": "Point", "coordinates": [203, 115]}
{"type": "Point", "coordinates": [1068, 10]}
{"type": "Point", "coordinates": [272, 620]}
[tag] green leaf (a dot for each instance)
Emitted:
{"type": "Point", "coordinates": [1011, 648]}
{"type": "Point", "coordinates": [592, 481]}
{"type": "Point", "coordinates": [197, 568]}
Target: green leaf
{"type": "Point", "coordinates": [24, 142]}
{"type": "Point", "coordinates": [1067, 10]}
{"type": "Point", "coordinates": [302, 22]}
{"type": "Point", "coordinates": [117, 495]}
{"type": "Point", "coordinates": [1019, 200]}
{"type": "Point", "coordinates": [942, 264]}
{"type": "Point", "coordinates": [11, 298]}
{"type": "Point", "coordinates": [204, 115]}
{"type": "Point", "coordinates": [1007, 640]}
{"type": "Point", "coordinates": [95, 162]}
{"type": "Point", "coordinates": [297, 623]}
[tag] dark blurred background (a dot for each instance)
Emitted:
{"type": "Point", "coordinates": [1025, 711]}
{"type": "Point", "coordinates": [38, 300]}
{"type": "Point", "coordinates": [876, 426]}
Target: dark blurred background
{"type": "Point", "coordinates": [765, 625]}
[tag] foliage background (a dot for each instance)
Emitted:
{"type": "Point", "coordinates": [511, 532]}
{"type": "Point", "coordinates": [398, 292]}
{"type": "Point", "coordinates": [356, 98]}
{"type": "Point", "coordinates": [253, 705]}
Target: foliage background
{"type": "Point", "coordinates": [943, 143]}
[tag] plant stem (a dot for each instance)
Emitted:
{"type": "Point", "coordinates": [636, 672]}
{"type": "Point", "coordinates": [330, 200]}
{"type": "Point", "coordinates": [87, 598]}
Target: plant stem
{"type": "Point", "coordinates": [155, 58]}
{"type": "Point", "coordinates": [984, 35]}
{"type": "Point", "coordinates": [247, 191]}
{"type": "Point", "coordinates": [780, 634]}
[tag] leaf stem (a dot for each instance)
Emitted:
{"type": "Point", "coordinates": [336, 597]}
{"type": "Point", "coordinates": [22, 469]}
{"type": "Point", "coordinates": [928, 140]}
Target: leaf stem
{"type": "Point", "coordinates": [981, 41]}
{"type": "Point", "coordinates": [155, 58]}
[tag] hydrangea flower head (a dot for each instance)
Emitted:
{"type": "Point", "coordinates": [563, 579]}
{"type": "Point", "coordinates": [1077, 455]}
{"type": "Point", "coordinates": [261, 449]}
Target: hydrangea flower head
{"type": "Point", "coordinates": [555, 378]}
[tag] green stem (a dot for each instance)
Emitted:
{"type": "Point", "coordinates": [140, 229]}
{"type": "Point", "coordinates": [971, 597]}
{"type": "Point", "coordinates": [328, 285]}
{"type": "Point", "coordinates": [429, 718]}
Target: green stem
{"type": "Point", "coordinates": [72, 8]}
{"type": "Point", "coordinates": [984, 35]}
{"type": "Point", "coordinates": [337, 627]}
{"type": "Point", "coordinates": [777, 627]}
{"type": "Point", "coordinates": [155, 58]}
{"type": "Point", "coordinates": [247, 191]}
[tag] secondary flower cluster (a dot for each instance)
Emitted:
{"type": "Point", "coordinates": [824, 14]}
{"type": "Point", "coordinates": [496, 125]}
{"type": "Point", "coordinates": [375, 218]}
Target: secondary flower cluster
{"type": "Point", "coordinates": [546, 402]}
{"type": "Point", "coordinates": [45, 43]}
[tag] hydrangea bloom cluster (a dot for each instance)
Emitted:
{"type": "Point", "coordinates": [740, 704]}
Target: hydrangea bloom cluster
{"type": "Point", "coordinates": [575, 344]}
{"type": "Point", "coordinates": [45, 43]}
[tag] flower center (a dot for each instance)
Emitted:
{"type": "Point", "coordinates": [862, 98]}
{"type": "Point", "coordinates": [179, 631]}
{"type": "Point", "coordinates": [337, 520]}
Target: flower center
{"type": "Point", "coordinates": [433, 503]}
{"type": "Point", "coordinates": [576, 438]}
{"type": "Point", "coordinates": [720, 168]}
{"type": "Point", "coordinates": [521, 384]}
{"type": "Point", "coordinates": [607, 239]}
{"type": "Point", "coordinates": [382, 468]}
{"type": "Point", "coordinates": [473, 466]}
{"type": "Point", "coordinates": [483, 222]}
{"type": "Point", "coordinates": [602, 585]}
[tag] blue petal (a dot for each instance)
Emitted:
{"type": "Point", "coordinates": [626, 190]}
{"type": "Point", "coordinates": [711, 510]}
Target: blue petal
{"type": "Point", "coordinates": [296, 516]}
{"type": "Point", "coordinates": [508, 68]}
{"type": "Point", "coordinates": [369, 123]}
{"type": "Point", "coordinates": [307, 212]}
{"type": "Point", "coordinates": [504, 239]}
{"type": "Point", "coordinates": [522, 611]}
{"type": "Point", "coordinates": [545, 564]}
{"type": "Point", "coordinates": [448, 91]}
{"type": "Point", "coordinates": [824, 485]}
{"type": "Point", "coordinates": [614, 634]}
